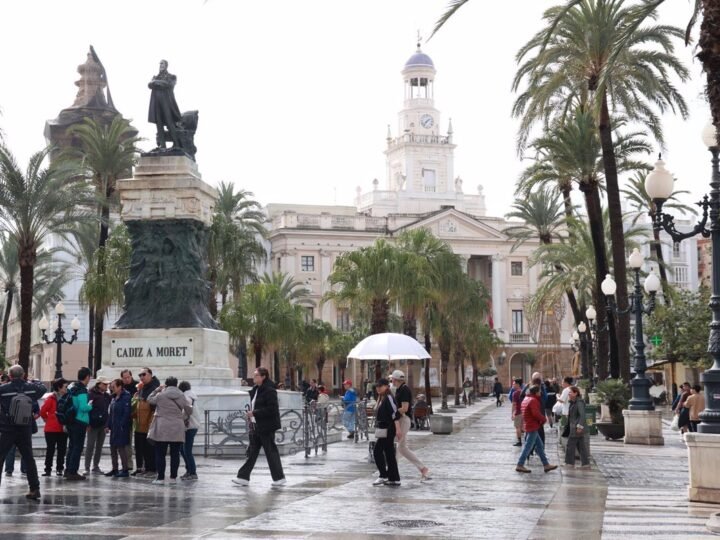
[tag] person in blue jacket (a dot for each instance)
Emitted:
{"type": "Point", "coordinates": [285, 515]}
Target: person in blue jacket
{"type": "Point", "coordinates": [349, 400]}
{"type": "Point", "coordinates": [120, 427]}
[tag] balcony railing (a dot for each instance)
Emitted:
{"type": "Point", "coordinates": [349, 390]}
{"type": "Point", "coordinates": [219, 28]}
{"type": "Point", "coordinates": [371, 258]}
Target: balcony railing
{"type": "Point", "coordinates": [519, 338]}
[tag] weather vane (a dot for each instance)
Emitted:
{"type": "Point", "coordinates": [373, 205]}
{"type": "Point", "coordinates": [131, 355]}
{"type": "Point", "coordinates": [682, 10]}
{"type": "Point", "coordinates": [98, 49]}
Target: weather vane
{"type": "Point", "coordinates": [419, 37]}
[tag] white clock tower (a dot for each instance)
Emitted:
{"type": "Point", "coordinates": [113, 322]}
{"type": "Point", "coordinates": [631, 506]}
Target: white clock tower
{"type": "Point", "coordinates": [420, 159]}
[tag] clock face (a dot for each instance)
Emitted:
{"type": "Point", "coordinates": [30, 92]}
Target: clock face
{"type": "Point", "coordinates": [426, 121]}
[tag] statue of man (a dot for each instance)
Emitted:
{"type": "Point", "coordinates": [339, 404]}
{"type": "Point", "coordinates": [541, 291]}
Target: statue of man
{"type": "Point", "coordinates": [164, 111]}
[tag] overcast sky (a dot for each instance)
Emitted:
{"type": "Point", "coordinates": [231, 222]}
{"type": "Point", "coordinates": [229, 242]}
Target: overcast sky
{"type": "Point", "coordinates": [295, 96]}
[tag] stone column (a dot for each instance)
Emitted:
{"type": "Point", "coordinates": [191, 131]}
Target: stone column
{"type": "Point", "coordinates": [498, 284]}
{"type": "Point", "coordinates": [704, 463]}
{"type": "Point", "coordinates": [643, 427]}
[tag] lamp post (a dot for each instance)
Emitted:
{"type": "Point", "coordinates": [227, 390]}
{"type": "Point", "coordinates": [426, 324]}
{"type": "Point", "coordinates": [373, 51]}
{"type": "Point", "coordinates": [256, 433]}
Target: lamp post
{"type": "Point", "coordinates": [584, 367]}
{"type": "Point", "coordinates": [59, 338]}
{"type": "Point", "coordinates": [639, 385]}
{"type": "Point", "coordinates": [659, 185]}
{"type": "Point", "coordinates": [591, 315]}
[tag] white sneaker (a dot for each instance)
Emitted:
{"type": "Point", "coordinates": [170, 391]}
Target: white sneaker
{"type": "Point", "coordinates": [158, 482]}
{"type": "Point", "coordinates": [281, 482]}
{"type": "Point", "coordinates": [380, 482]}
{"type": "Point", "coordinates": [173, 481]}
{"type": "Point", "coordinates": [240, 482]}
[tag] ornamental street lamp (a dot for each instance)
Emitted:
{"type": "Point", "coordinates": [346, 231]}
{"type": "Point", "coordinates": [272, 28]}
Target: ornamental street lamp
{"type": "Point", "coordinates": [591, 315]}
{"type": "Point", "coordinates": [59, 338]}
{"type": "Point", "coordinates": [584, 342]}
{"type": "Point", "coordinates": [659, 185]}
{"type": "Point", "coordinates": [640, 384]}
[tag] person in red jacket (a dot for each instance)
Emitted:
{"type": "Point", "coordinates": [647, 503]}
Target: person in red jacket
{"type": "Point", "coordinates": [533, 419]}
{"type": "Point", "coordinates": [55, 436]}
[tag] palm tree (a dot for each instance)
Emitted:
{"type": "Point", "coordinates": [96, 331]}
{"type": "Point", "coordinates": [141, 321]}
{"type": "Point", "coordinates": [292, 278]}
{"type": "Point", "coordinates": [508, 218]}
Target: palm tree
{"type": "Point", "coordinates": [10, 276]}
{"type": "Point", "coordinates": [638, 198]}
{"type": "Point", "coordinates": [106, 154]}
{"type": "Point", "coordinates": [577, 48]}
{"type": "Point", "coordinates": [234, 247]}
{"type": "Point", "coordinates": [317, 337]}
{"type": "Point", "coordinates": [34, 205]}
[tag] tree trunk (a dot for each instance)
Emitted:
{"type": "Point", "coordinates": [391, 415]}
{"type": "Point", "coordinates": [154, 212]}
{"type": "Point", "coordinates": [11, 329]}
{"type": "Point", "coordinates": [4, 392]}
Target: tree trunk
{"type": "Point", "coordinates": [257, 347]}
{"type": "Point", "coordinates": [657, 245]}
{"type": "Point", "coordinates": [444, 345]}
{"type": "Point", "coordinates": [594, 210]}
{"type": "Point", "coordinates": [100, 314]}
{"type": "Point", "coordinates": [6, 317]}
{"type": "Point", "coordinates": [212, 301]}
{"type": "Point", "coordinates": [27, 273]}
{"type": "Point", "coordinates": [410, 325]}
{"type": "Point", "coordinates": [320, 363]}
{"type": "Point", "coordinates": [617, 235]}
{"type": "Point", "coordinates": [709, 55]}
{"type": "Point", "coordinates": [474, 364]}
{"type": "Point", "coordinates": [380, 312]}
{"type": "Point", "coordinates": [428, 388]}
{"type": "Point", "coordinates": [458, 361]}
{"type": "Point", "coordinates": [91, 337]}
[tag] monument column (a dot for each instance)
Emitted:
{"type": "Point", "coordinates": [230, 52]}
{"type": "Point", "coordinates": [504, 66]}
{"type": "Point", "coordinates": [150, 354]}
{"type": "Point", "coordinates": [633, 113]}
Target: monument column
{"type": "Point", "coordinates": [498, 283]}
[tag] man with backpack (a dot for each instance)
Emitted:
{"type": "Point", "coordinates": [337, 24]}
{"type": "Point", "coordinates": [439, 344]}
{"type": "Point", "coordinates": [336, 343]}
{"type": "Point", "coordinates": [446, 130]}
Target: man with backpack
{"type": "Point", "coordinates": [17, 400]}
{"type": "Point", "coordinates": [74, 412]}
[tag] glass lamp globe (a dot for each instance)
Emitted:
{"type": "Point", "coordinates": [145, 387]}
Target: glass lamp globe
{"type": "Point", "coordinates": [659, 183]}
{"type": "Point", "coordinates": [709, 135]}
{"type": "Point", "coordinates": [582, 327]}
{"type": "Point", "coordinates": [575, 336]}
{"type": "Point", "coordinates": [590, 313]}
{"type": "Point", "coordinates": [75, 324]}
{"type": "Point", "coordinates": [652, 283]}
{"type": "Point", "coordinates": [608, 285]}
{"type": "Point", "coordinates": [43, 323]}
{"type": "Point", "coordinates": [636, 259]}
{"type": "Point", "coordinates": [60, 308]}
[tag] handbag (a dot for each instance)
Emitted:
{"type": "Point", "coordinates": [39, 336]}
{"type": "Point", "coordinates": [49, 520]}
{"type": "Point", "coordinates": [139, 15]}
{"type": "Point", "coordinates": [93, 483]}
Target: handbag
{"type": "Point", "coordinates": [381, 433]}
{"type": "Point", "coordinates": [675, 424]}
{"type": "Point", "coordinates": [566, 431]}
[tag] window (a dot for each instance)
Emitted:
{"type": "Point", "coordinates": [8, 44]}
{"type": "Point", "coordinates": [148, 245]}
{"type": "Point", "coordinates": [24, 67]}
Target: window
{"type": "Point", "coordinates": [309, 315]}
{"type": "Point", "coordinates": [516, 268]}
{"type": "Point", "coordinates": [517, 321]}
{"type": "Point", "coordinates": [676, 250]}
{"type": "Point", "coordinates": [307, 263]}
{"type": "Point", "coordinates": [343, 320]}
{"type": "Point", "coordinates": [278, 263]}
{"type": "Point", "coordinates": [680, 275]}
{"type": "Point", "coordinates": [428, 176]}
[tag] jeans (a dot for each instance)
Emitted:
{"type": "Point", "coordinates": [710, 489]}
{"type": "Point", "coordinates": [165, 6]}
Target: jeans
{"type": "Point", "coordinates": [187, 451]}
{"type": "Point", "coordinates": [21, 437]}
{"type": "Point", "coordinates": [53, 441]}
{"type": "Point", "coordinates": [76, 437]}
{"type": "Point", "coordinates": [533, 441]}
{"type": "Point", "coordinates": [93, 448]}
{"type": "Point", "coordinates": [161, 452]}
{"type": "Point", "coordinates": [144, 453]}
{"type": "Point", "coordinates": [266, 441]}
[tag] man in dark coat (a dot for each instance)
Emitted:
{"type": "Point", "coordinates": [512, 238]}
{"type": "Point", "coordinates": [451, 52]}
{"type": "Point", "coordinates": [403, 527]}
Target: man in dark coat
{"type": "Point", "coordinates": [13, 435]}
{"type": "Point", "coordinates": [164, 110]}
{"type": "Point", "coordinates": [264, 421]}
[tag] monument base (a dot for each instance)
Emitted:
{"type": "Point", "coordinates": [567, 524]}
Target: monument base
{"type": "Point", "coordinates": [643, 427]}
{"type": "Point", "coordinates": [704, 465]}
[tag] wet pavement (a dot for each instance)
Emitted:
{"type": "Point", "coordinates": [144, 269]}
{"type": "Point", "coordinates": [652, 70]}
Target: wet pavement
{"type": "Point", "coordinates": [630, 492]}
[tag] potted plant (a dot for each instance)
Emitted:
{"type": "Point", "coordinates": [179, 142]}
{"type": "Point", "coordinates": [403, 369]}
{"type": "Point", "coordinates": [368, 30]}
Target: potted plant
{"type": "Point", "coordinates": [615, 394]}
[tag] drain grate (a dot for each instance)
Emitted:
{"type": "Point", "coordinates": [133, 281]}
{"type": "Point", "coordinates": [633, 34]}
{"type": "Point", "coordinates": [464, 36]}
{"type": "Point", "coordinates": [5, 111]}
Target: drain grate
{"type": "Point", "coordinates": [470, 508]}
{"type": "Point", "coordinates": [411, 523]}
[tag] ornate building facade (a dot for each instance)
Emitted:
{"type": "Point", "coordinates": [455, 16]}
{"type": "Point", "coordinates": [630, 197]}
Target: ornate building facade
{"type": "Point", "coordinates": [421, 190]}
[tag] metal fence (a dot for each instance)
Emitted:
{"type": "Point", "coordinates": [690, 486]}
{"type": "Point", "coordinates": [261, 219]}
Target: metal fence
{"type": "Point", "coordinates": [307, 430]}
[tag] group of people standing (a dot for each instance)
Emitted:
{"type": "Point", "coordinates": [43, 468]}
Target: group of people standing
{"type": "Point", "coordinates": [531, 409]}
{"type": "Point", "coordinates": [687, 406]}
{"type": "Point", "coordinates": [160, 416]}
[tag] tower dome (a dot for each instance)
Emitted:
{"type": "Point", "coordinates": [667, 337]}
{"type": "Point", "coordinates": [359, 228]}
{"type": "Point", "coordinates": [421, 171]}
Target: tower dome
{"type": "Point", "coordinates": [419, 60]}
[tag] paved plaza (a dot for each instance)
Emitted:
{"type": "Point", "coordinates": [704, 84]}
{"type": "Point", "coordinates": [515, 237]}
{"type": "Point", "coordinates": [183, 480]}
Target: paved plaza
{"type": "Point", "coordinates": [631, 492]}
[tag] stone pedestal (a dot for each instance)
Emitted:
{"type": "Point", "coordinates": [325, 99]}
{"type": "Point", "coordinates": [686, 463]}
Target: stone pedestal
{"type": "Point", "coordinates": [704, 464]}
{"type": "Point", "coordinates": [643, 427]}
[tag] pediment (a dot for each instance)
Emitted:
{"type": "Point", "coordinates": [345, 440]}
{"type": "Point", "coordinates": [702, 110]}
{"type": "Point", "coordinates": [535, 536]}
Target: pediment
{"type": "Point", "coordinates": [451, 223]}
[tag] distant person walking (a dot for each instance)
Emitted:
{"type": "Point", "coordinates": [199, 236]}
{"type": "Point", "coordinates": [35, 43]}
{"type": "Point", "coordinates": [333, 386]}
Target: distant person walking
{"type": "Point", "coordinates": [55, 436]}
{"type": "Point", "coordinates": [17, 399]}
{"type": "Point", "coordinates": [387, 427]}
{"type": "Point", "coordinates": [498, 392]}
{"type": "Point", "coordinates": [577, 434]}
{"type": "Point", "coordinates": [168, 426]}
{"type": "Point", "coordinates": [516, 409]}
{"type": "Point", "coordinates": [533, 419]}
{"type": "Point", "coordinates": [349, 401]}
{"type": "Point", "coordinates": [264, 421]}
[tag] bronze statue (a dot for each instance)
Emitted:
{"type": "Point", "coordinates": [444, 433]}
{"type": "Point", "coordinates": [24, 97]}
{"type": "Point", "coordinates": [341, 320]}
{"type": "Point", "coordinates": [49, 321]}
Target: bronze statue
{"type": "Point", "coordinates": [165, 113]}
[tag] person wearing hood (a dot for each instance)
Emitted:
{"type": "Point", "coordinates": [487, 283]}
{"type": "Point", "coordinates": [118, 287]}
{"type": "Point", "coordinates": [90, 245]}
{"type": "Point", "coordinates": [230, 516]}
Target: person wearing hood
{"type": "Point", "coordinates": [120, 426]}
{"type": "Point", "coordinates": [95, 438]}
{"type": "Point", "coordinates": [192, 425]}
{"type": "Point", "coordinates": [168, 426]}
{"type": "Point", "coordinates": [263, 421]}
{"type": "Point", "coordinates": [142, 416]}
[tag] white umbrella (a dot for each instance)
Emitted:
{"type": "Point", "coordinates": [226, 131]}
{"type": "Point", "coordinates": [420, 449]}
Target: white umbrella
{"type": "Point", "coordinates": [388, 346]}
